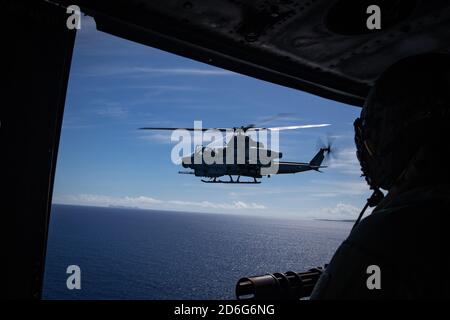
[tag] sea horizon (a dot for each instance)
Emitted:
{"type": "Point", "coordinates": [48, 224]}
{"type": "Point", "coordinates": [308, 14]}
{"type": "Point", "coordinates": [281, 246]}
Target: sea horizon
{"type": "Point", "coordinates": [252, 215]}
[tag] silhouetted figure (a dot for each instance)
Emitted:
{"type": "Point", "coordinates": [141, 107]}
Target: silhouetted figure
{"type": "Point", "coordinates": [402, 140]}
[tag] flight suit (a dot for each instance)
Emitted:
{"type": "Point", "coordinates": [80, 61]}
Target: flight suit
{"type": "Point", "coordinates": [407, 237]}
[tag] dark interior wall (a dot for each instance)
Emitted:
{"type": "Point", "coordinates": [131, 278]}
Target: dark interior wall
{"type": "Point", "coordinates": [36, 55]}
{"type": "Point", "coordinates": [323, 47]}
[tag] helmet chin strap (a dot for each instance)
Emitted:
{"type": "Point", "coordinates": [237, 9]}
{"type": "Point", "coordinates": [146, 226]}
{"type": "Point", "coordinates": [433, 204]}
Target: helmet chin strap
{"type": "Point", "coordinates": [373, 201]}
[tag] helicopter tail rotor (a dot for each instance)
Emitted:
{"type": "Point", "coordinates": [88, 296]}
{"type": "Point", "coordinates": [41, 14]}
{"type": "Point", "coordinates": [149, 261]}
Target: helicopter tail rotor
{"type": "Point", "coordinates": [328, 147]}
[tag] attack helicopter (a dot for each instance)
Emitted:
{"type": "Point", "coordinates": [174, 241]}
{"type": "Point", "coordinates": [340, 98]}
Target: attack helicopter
{"type": "Point", "coordinates": [245, 156]}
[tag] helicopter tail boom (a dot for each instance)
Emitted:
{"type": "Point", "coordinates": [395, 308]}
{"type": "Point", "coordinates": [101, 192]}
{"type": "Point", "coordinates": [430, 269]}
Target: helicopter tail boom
{"type": "Point", "coordinates": [294, 167]}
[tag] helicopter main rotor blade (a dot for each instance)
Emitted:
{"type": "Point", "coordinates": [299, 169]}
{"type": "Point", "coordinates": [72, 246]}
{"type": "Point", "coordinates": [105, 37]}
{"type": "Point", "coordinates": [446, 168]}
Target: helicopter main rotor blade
{"type": "Point", "coordinates": [250, 127]}
{"type": "Point", "coordinates": [188, 129]}
{"type": "Point", "coordinates": [306, 126]}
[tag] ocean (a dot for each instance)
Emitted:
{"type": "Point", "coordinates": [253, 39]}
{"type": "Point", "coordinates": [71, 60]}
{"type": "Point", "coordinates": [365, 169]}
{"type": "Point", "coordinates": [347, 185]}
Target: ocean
{"type": "Point", "coordinates": [146, 254]}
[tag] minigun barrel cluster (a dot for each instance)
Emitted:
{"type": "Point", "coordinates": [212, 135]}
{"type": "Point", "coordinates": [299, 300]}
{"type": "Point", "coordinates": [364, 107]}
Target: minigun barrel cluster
{"type": "Point", "coordinates": [278, 286]}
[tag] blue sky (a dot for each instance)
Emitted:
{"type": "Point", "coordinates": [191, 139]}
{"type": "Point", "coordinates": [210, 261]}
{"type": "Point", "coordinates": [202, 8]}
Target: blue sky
{"type": "Point", "coordinates": [117, 86]}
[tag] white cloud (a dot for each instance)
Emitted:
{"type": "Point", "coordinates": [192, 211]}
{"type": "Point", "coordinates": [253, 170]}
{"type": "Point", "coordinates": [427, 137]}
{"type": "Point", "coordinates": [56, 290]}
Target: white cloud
{"type": "Point", "coordinates": [159, 89]}
{"type": "Point", "coordinates": [145, 202]}
{"type": "Point", "coordinates": [148, 71]}
{"type": "Point", "coordinates": [339, 212]}
{"type": "Point", "coordinates": [346, 161]}
{"type": "Point", "coordinates": [312, 188]}
{"type": "Point", "coordinates": [339, 188]}
{"type": "Point", "coordinates": [342, 209]}
{"type": "Point", "coordinates": [179, 71]}
{"type": "Point", "coordinates": [281, 116]}
{"type": "Point", "coordinates": [103, 200]}
{"type": "Point", "coordinates": [113, 112]}
{"type": "Point", "coordinates": [158, 138]}
{"type": "Point", "coordinates": [208, 204]}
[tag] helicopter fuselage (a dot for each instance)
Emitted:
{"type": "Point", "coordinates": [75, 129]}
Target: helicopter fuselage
{"type": "Point", "coordinates": [253, 169]}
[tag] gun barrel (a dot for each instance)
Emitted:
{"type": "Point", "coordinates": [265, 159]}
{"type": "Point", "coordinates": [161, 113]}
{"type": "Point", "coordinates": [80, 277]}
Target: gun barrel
{"type": "Point", "coordinates": [278, 286]}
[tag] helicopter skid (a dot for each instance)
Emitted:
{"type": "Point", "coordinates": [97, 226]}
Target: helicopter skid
{"type": "Point", "coordinates": [231, 181]}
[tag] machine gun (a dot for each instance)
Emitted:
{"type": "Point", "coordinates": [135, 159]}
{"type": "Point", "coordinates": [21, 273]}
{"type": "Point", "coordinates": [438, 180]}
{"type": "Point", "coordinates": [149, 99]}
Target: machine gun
{"type": "Point", "coordinates": [290, 285]}
{"type": "Point", "coordinates": [278, 286]}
